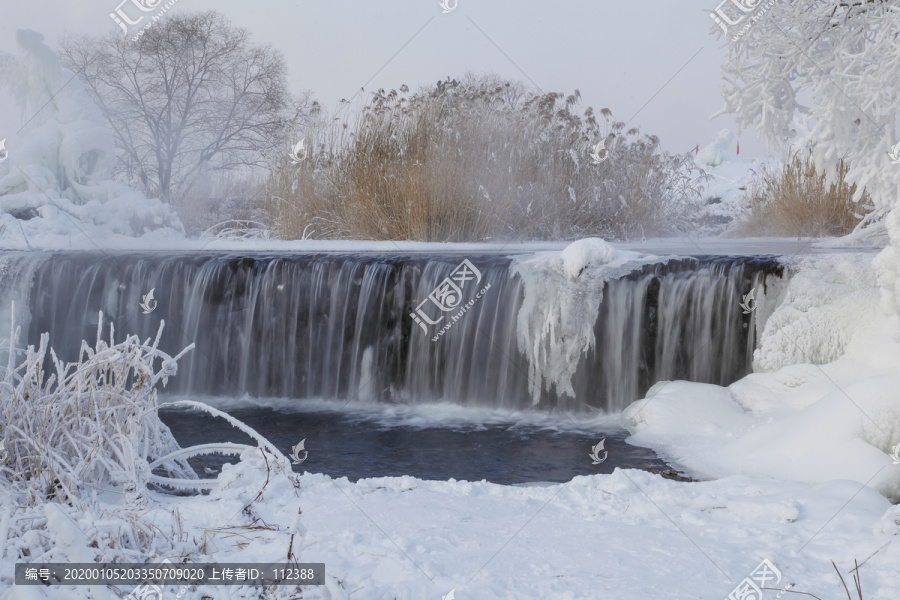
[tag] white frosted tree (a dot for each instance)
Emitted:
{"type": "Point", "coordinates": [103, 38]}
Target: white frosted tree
{"type": "Point", "coordinates": [825, 72]}
{"type": "Point", "coordinates": [194, 95]}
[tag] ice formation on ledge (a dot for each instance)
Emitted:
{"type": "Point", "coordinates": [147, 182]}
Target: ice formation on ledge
{"type": "Point", "coordinates": [56, 183]}
{"type": "Point", "coordinates": [555, 324]}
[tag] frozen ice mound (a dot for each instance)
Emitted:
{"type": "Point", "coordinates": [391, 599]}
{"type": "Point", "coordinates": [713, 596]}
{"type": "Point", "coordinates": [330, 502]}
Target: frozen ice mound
{"type": "Point", "coordinates": [717, 153]}
{"type": "Point", "coordinates": [57, 180]}
{"type": "Point", "coordinates": [555, 323]}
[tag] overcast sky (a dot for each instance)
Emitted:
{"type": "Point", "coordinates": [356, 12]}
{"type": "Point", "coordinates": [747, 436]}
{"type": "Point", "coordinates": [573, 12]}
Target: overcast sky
{"type": "Point", "coordinates": [655, 63]}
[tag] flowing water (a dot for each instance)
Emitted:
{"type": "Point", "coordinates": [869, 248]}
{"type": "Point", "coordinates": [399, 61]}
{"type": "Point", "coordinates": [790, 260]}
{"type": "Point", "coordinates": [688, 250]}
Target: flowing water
{"type": "Point", "coordinates": [338, 328]}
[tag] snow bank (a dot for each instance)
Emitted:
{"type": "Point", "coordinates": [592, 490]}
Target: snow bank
{"type": "Point", "coordinates": [563, 291]}
{"type": "Point", "coordinates": [252, 515]}
{"type": "Point", "coordinates": [829, 302]}
{"type": "Point", "coordinates": [626, 535]}
{"type": "Point", "coordinates": [621, 536]}
{"type": "Point", "coordinates": [825, 409]}
{"type": "Point", "coordinates": [56, 183]}
{"type": "Point", "coordinates": [888, 264]}
{"type": "Point", "coordinates": [582, 254]}
{"type": "Point", "coordinates": [724, 192]}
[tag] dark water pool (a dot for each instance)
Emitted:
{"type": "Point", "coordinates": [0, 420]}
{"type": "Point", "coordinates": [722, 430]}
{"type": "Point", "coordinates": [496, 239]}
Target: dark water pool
{"type": "Point", "coordinates": [342, 445]}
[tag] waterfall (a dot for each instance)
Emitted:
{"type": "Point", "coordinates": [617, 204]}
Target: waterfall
{"type": "Point", "coordinates": [339, 326]}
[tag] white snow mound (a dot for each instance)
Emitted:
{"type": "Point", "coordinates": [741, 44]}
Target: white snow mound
{"type": "Point", "coordinates": [718, 152]}
{"type": "Point", "coordinates": [589, 252]}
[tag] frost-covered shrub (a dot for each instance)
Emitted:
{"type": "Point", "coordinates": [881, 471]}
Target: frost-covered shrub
{"type": "Point", "coordinates": [89, 425]}
{"type": "Point", "coordinates": [476, 160]}
{"type": "Point", "coordinates": [85, 457]}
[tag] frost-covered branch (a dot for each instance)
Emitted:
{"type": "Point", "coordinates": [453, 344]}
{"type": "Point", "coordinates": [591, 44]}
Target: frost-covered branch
{"type": "Point", "coordinates": [823, 74]}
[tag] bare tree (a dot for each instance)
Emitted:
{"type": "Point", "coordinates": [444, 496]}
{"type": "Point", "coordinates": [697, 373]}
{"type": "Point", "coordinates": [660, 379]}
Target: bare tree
{"type": "Point", "coordinates": [192, 95]}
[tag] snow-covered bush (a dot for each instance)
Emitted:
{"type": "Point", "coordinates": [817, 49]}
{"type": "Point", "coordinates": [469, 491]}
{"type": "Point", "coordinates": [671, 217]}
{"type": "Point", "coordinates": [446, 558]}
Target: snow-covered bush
{"type": "Point", "coordinates": [88, 426]}
{"type": "Point", "coordinates": [87, 467]}
{"type": "Point", "coordinates": [481, 159]}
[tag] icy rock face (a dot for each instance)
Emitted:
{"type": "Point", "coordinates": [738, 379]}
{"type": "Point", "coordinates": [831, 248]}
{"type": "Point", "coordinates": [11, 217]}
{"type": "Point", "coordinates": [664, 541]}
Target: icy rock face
{"type": "Point", "coordinates": [57, 179]}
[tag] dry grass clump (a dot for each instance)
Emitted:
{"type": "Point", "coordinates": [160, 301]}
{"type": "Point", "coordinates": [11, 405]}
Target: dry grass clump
{"type": "Point", "coordinates": [800, 201]}
{"type": "Point", "coordinates": [475, 160]}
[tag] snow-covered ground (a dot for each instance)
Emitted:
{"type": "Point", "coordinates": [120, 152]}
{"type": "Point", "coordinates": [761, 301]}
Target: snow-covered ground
{"type": "Point", "coordinates": [621, 536]}
{"type": "Point", "coordinates": [627, 535]}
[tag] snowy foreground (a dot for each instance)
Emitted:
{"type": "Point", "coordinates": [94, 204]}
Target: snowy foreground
{"type": "Point", "coordinates": [794, 462]}
{"type": "Point", "coordinates": [627, 535]}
